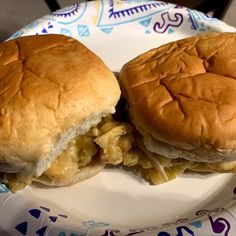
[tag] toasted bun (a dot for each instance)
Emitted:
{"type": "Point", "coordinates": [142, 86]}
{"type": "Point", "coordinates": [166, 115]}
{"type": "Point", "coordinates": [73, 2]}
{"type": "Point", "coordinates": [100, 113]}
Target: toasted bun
{"type": "Point", "coordinates": [182, 97]}
{"type": "Point", "coordinates": [52, 89]}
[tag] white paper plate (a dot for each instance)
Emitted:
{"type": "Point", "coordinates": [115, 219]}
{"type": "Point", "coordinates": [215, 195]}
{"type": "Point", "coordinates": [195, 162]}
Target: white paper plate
{"type": "Point", "coordinates": [116, 203]}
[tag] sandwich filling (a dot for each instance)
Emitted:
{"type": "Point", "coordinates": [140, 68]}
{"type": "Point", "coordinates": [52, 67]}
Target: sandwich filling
{"type": "Point", "coordinates": [112, 142]}
{"type": "Point", "coordinates": [116, 143]}
{"type": "Point", "coordinates": [113, 138]}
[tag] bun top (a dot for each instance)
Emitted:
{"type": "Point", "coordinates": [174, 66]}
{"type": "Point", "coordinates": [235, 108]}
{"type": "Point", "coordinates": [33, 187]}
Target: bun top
{"type": "Point", "coordinates": [184, 93]}
{"type": "Point", "coordinates": [49, 85]}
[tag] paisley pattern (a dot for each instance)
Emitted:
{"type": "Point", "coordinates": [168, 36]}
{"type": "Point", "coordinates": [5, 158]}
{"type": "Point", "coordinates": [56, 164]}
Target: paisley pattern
{"type": "Point", "coordinates": [118, 13]}
{"type": "Point", "coordinates": [103, 19]}
{"type": "Point", "coordinates": [105, 16]}
{"type": "Point", "coordinates": [200, 21]}
{"type": "Point", "coordinates": [68, 11]}
{"type": "Point", "coordinates": [69, 15]}
{"type": "Point", "coordinates": [167, 21]}
{"type": "Point", "coordinates": [92, 224]}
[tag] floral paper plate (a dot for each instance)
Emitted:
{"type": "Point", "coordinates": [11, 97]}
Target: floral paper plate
{"type": "Point", "coordinates": [116, 203]}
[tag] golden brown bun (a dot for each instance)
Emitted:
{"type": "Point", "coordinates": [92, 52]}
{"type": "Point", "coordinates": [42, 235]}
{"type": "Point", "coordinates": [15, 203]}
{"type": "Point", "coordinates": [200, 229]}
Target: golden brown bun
{"type": "Point", "coordinates": [182, 97]}
{"type": "Point", "coordinates": [52, 88]}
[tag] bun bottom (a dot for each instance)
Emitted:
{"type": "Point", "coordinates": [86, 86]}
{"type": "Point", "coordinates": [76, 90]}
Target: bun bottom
{"type": "Point", "coordinates": [84, 173]}
{"type": "Point", "coordinates": [204, 154]}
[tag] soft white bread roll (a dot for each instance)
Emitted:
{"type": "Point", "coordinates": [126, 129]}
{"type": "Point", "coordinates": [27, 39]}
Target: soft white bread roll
{"type": "Point", "coordinates": [182, 97]}
{"type": "Point", "coordinates": [84, 173]}
{"type": "Point", "coordinates": [52, 88]}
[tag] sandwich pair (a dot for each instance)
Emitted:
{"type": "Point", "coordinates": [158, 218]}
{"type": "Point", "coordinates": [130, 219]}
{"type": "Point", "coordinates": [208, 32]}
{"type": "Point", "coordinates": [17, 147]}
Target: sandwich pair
{"type": "Point", "coordinates": [58, 100]}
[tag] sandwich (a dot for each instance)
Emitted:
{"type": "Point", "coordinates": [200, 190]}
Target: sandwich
{"type": "Point", "coordinates": [56, 101]}
{"type": "Point", "coordinates": [181, 99]}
